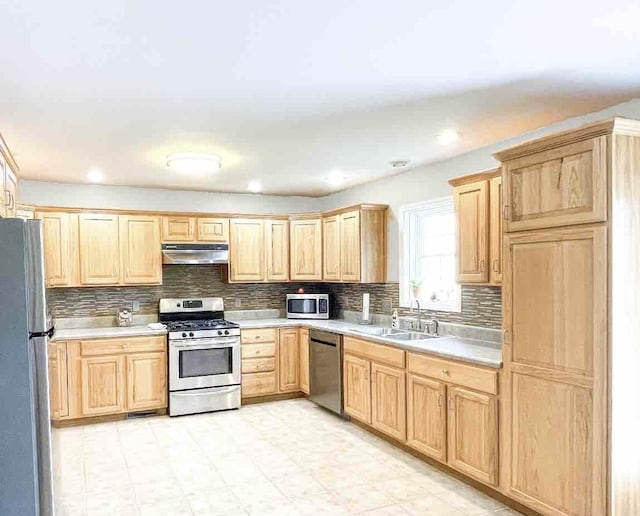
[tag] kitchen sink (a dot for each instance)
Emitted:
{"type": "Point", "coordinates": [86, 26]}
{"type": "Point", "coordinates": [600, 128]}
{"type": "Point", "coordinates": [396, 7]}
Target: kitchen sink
{"type": "Point", "coordinates": [397, 334]}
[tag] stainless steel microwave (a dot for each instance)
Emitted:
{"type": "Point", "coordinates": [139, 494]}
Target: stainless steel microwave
{"type": "Point", "coordinates": [308, 306]}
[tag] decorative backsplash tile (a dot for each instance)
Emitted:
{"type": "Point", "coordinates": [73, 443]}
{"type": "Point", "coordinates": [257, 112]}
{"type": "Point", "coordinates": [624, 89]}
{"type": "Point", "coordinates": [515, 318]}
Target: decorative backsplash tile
{"type": "Point", "coordinates": [178, 281]}
{"type": "Point", "coordinates": [481, 305]}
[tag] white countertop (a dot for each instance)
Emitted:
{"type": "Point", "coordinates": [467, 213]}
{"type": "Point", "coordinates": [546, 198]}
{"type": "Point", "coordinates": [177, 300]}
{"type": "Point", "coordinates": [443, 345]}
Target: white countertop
{"type": "Point", "coordinates": [467, 350]}
{"type": "Point", "coordinates": [100, 333]}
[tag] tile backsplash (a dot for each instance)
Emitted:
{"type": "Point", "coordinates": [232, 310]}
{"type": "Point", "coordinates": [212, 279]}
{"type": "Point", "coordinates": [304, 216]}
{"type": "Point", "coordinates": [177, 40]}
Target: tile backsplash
{"type": "Point", "coordinates": [481, 305]}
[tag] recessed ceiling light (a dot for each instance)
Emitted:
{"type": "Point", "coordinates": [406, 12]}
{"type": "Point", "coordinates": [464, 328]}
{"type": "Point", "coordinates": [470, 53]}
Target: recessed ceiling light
{"type": "Point", "coordinates": [399, 163]}
{"type": "Point", "coordinates": [193, 163]}
{"type": "Point", "coordinates": [254, 186]}
{"type": "Point", "coordinates": [336, 178]}
{"type": "Point", "coordinates": [448, 136]}
{"type": "Point", "coordinates": [95, 175]}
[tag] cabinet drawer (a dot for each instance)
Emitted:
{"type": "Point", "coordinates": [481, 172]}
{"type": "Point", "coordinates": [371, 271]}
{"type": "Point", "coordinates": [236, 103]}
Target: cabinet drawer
{"type": "Point", "coordinates": [452, 372]}
{"type": "Point", "coordinates": [98, 347]}
{"type": "Point", "coordinates": [258, 350]}
{"type": "Point", "coordinates": [377, 352]}
{"type": "Point", "coordinates": [259, 384]}
{"type": "Point", "coordinates": [258, 365]}
{"type": "Point", "coordinates": [258, 335]}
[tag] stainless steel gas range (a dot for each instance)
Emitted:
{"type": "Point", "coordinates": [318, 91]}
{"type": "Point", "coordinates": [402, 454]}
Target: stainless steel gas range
{"type": "Point", "coordinates": [204, 356]}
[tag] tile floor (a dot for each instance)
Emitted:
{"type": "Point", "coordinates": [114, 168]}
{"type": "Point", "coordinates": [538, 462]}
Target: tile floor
{"type": "Point", "coordinates": [282, 458]}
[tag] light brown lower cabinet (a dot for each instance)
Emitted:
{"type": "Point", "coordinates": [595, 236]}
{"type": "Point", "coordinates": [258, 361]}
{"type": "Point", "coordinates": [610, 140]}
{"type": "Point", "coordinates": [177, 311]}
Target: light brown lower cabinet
{"type": "Point", "coordinates": [146, 381]}
{"type": "Point", "coordinates": [473, 434]}
{"type": "Point", "coordinates": [102, 377]}
{"type": "Point", "coordinates": [427, 416]}
{"type": "Point", "coordinates": [259, 362]}
{"type": "Point", "coordinates": [357, 388]}
{"type": "Point", "coordinates": [58, 389]}
{"type": "Point", "coordinates": [374, 393]}
{"type": "Point", "coordinates": [304, 359]}
{"type": "Point", "coordinates": [288, 360]}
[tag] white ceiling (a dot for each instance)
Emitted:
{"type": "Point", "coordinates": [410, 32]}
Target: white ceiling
{"type": "Point", "coordinates": [287, 91]}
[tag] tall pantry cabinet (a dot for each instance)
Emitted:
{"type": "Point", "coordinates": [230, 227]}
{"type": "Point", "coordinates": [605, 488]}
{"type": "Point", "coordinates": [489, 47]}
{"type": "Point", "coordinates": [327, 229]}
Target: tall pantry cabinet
{"type": "Point", "coordinates": [571, 317]}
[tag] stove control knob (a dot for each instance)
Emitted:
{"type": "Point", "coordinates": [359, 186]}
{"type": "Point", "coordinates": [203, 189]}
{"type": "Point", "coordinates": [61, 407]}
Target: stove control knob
{"type": "Point", "coordinates": [226, 332]}
{"type": "Point", "coordinates": [184, 334]}
{"type": "Point", "coordinates": [190, 334]}
{"type": "Point", "coordinates": [219, 332]}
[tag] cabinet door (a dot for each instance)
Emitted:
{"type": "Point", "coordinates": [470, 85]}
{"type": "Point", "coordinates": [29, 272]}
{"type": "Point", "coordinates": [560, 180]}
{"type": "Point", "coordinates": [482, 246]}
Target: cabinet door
{"type": "Point", "coordinates": [555, 355]}
{"type": "Point", "coordinates": [277, 249]}
{"type": "Point", "coordinates": [388, 409]}
{"type": "Point", "coordinates": [11, 187]}
{"type": "Point", "coordinates": [140, 247]}
{"type": "Point", "coordinates": [304, 360]}
{"type": "Point", "coordinates": [495, 230]}
{"type": "Point", "coordinates": [146, 381]}
{"type": "Point", "coordinates": [289, 360]}
{"type": "Point", "coordinates": [58, 390]}
{"type": "Point", "coordinates": [472, 217]}
{"type": "Point", "coordinates": [357, 388]}
{"type": "Point", "coordinates": [246, 250]}
{"type": "Point", "coordinates": [102, 385]}
{"type": "Point", "coordinates": [306, 249]}
{"type": "Point", "coordinates": [473, 434]}
{"type": "Point", "coordinates": [99, 249]}
{"type": "Point", "coordinates": [178, 229]}
{"type": "Point", "coordinates": [331, 248]}
{"type": "Point", "coordinates": [60, 247]}
{"type": "Point", "coordinates": [427, 416]}
{"type": "Point", "coordinates": [557, 187]}
{"type": "Point", "coordinates": [350, 246]}
{"type": "Point", "coordinates": [213, 230]}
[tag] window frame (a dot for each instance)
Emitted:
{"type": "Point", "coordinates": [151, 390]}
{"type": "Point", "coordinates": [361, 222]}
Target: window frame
{"type": "Point", "coordinates": [408, 223]}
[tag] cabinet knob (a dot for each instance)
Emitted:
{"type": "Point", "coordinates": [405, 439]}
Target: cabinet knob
{"type": "Point", "coordinates": [445, 371]}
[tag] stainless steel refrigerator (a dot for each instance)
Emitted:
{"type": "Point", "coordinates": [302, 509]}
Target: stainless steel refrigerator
{"type": "Point", "coordinates": [26, 479]}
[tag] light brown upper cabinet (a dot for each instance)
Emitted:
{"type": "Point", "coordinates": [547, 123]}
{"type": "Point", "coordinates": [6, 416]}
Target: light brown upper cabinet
{"type": "Point", "coordinates": [331, 248]}
{"type": "Point", "coordinates": [355, 245]}
{"type": "Point", "coordinates": [276, 233]}
{"type": "Point", "coordinates": [477, 201]}
{"type": "Point", "coordinates": [556, 187]}
{"type": "Point", "coordinates": [178, 229]}
{"type": "Point", "coordinates": [99, 235]}
{"type": "Point", "coordinates": [495, 230]}
{"type": "Point", "coordinates": [60, 243]}
{"type": "Point", "coordinates": [306, 249]}
{"type": "Point", "coordinates": [140, 245]}
{"type": "Point", "coordinates": [246, 250]}
{"type": "Point", "coordinates": [258, 250]}
{"type": "Point", "coordinates": [212, 230]}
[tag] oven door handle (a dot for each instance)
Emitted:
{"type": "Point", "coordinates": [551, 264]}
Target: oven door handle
{"type": "Point", "coordinates": [205, 343]}
{"type": "Point", "coordinates": [212, 390]}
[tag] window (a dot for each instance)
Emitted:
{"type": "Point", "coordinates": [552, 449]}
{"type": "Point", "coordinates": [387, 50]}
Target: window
{"type": "Point", "coordinates": [428, 256]}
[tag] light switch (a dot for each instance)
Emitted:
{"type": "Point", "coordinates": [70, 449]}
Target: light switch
{"type": "Point", "coordinates": [135, 306]}
{"type": "Point", "coordinates": [238, 302]}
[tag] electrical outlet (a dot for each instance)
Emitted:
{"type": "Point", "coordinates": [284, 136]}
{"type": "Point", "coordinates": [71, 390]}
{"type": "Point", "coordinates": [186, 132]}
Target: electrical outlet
{"type": "Point", "coordinates": [135, 306]}
{"type": "Point", "coordinates": [238, 302]}
{"type": "Point", "coordinates": [346, 302]}
{"type": "Point", "coordinates": [387, 305]}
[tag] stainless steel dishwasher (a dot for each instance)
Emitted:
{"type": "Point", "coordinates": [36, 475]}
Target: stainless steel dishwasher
{"type": "Point", "coordinates": [325, 369]}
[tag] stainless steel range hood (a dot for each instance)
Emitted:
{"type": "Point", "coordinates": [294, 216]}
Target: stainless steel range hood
{"type": "Point", "coordinates": [195, 254]}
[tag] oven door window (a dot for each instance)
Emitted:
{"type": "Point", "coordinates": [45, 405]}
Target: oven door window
{"type": "Point", "coordinates": [205, 362]}
{"type": "Point", "coordinates": [302, 306]}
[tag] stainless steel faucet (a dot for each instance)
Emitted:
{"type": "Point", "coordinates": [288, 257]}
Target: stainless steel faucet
{"type": "Point", "coordinates": [436, 326]}
{"type": "Point", "coordinates": [419, 313]}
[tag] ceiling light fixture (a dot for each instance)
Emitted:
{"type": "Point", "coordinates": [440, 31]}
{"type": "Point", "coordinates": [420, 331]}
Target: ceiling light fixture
{"type": "Point", "coordinates": [193, 163]}
{"type": "Point", "coordinates": [447, 137]}
{"type": "Point", "coordinates": [95, 175]}
{"type": "Point", "coordinates": [336, 178]}
{"type": "Point", "coordinates": [399, 163]}
{"type": "Point", "coordinates": [254, 186]}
